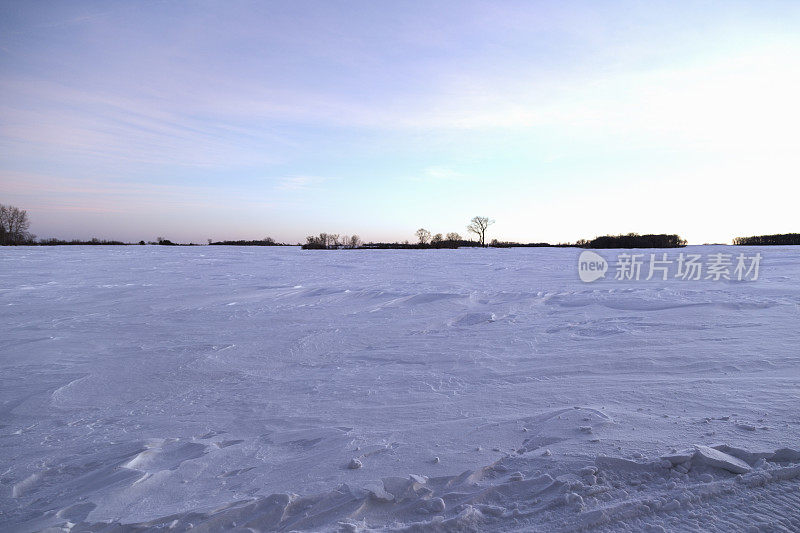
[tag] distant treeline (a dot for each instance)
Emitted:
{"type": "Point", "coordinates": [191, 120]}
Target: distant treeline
{"type": "Point", "coordinates": [448, 244]}
{"type": "Point", "coordinates": [768, 240]}
{"type": "Point", "coordinates": [14, 224]}
{"type": "Point", "coordinates": [633, 240]}
{"type": "Point", "coordinates": [331, 241]}
{"type": "Point", "coordinates": [505, 244]}
{"type": "Point", "coordinates": [158, 242]}
{"type": "Point", "coordinates": [101, 242]}
{"type": "Point", "coordinates": [334, 241]}
{"type": "Point", "coordinates": [420, 246]}
{"type": "Point", "coordinates": [73, 242]}
{"type": "Point", "coordinates": [324, 242]}
{"type": "Point", "coordinates": [268, 241]}
{"type": "Point", "coordinates": [327, 241]}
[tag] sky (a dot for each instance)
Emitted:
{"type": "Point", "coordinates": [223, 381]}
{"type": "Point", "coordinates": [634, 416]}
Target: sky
{"type": "Point", "coordinates": [244, 119]}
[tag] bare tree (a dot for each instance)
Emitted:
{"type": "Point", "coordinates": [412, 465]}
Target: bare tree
{"type": "Point", "coordinates": [323, 240]}
{"type": "Point", "coordinates": [453, 236]}
{"type": "Point", "coordinates": [347, 241]}
{"type": "Point", "coordinates": [14, 224]}
{"type": "Point", "coordinates": [478, 226]}
{"type": "Point", "coordinates": [423, 235]}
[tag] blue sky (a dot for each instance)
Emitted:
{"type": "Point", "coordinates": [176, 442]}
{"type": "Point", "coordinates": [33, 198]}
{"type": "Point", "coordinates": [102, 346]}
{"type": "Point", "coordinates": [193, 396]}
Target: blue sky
{"type": "Point", "coordinates": [561, 120]}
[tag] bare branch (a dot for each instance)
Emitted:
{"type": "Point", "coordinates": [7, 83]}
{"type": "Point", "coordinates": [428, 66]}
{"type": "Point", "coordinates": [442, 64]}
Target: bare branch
{"type": "Point", "coordinates": [478, 225]}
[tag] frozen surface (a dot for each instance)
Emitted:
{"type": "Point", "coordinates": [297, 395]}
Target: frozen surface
{"type": "Point", "coordinates": [276, 389]}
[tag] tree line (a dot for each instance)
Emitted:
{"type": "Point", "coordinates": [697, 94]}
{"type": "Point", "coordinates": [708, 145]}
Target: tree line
{"type": "Point", "coordinates": [425, 239]}
{"type": "Point", "coordinates": [779, 239]}
{"type": "Point", "coordinates": [633, 240]}
{"type": "Point", "coordinates": [15, 223]}
{"type": "Point", "coordinates": [266, 241]}
{"type": "Point", "coordinates": [479, 225]}
{"type": "Point", "coordinates": [330, 241]}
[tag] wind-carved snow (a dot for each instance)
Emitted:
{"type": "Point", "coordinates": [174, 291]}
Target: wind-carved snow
{"type": "Point", "coordinates": [151, 388]}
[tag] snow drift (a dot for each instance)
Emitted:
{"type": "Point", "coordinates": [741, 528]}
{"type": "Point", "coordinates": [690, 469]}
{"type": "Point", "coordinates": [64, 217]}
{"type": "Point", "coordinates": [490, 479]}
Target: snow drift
{"type": "Point", "coordinates": [145, 388]}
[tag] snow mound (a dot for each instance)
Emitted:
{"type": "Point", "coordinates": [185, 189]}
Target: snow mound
{"type": "Point", "coordinates": [513, 493]}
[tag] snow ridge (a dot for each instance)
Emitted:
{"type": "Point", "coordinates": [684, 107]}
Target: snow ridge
{"type": "Point", "coordinates": [714, 483]}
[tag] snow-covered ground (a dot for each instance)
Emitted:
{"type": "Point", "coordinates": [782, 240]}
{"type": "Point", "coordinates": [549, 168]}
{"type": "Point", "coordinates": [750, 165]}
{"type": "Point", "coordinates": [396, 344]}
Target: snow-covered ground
{"type": "Point", "coordinates": [276, 389]}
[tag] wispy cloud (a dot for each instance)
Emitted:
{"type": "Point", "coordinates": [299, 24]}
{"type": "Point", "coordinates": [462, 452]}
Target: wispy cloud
{"type": "Point", "coordinates": [52, 117]}
{"type": "Point", "coordinates": [58, 193]}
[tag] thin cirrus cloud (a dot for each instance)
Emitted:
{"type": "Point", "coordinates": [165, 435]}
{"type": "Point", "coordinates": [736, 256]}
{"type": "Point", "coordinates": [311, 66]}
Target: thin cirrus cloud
{"type": "Point", "coordinates": [98, 195]}
{"type": "Point", "coordinates": [130, 129]}
{"type": "Point", "coordinates": [157, 105]}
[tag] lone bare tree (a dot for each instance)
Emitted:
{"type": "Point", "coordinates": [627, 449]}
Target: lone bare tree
{"type": "Point", "coordinates": [478, 226]}
{"type": "Point", "coordinates": [423, 235]}
{"type": "Point", "coordinates": [453, 236]}
{"type": "Point", "coordinates": [14, 224]}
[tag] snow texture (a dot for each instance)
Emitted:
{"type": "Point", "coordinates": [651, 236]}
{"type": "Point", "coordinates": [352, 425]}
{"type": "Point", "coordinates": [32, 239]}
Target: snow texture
{"type": "Point", "coordinates": [271, 389]}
